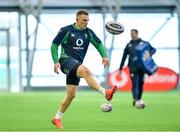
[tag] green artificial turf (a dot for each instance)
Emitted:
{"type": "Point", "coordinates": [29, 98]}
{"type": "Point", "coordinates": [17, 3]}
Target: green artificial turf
{"type": "Point", "coordinates": [33, 111]}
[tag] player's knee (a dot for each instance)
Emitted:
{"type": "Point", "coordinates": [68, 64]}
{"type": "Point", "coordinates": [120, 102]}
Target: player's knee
{"type": "Point", "coordinates": [83, 72]}
{"type": "Point", "coordinates": [86, 72]}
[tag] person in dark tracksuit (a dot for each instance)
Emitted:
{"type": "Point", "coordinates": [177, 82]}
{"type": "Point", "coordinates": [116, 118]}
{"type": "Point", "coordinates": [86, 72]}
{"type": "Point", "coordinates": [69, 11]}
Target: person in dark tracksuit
{"type": "Point", "coordinates": [136, 72]}
{"type": "Point", "coordinates": [74, 40]}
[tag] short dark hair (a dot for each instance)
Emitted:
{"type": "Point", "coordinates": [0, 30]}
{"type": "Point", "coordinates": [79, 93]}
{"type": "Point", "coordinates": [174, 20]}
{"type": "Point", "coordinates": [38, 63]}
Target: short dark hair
{"type": "Point", "coordinates": [82, 12]}
{"type": "Point", "coordinates": [135, 30]}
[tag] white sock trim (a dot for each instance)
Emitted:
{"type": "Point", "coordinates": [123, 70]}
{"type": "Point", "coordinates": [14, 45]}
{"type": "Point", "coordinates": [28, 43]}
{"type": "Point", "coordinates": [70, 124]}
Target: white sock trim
{"type": "Point", "coordinates": [58, 115]}
{"type": "Point", "coordinates": [102, 91]}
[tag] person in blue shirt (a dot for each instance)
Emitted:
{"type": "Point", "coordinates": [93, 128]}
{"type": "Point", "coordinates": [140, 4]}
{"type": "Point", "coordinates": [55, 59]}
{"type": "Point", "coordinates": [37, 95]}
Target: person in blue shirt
{"type": "Point", "coordinates": [136, 72]}
{"type": "Point", "coordinates": [74, 40]}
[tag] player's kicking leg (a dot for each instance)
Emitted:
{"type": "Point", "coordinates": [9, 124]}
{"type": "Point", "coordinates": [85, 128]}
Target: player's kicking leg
{"type": "Point", "coordinates": [84, 72]}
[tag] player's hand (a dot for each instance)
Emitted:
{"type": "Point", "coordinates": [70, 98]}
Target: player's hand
{"type": "Point", "coordinates": [57, 66]}
{"type": "Point", "coordinates": [105, 62]}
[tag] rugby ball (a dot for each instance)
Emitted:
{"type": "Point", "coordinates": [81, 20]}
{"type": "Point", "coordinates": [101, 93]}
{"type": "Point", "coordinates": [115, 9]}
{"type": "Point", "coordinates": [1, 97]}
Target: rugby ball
{"type": "Point", "coordinates": [106, 107]}
{"type": "Point", "coordinates": [114, 28]}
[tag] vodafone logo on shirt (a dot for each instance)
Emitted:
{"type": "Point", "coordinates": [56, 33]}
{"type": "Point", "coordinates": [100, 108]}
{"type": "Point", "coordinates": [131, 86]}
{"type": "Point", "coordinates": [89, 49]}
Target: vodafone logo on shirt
{"type": "Point", "coordinates": [164, 79]}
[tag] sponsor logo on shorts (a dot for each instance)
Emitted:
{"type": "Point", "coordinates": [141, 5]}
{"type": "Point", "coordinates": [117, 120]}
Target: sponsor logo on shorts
{"type": "Point", "coordinates": [66, 71]}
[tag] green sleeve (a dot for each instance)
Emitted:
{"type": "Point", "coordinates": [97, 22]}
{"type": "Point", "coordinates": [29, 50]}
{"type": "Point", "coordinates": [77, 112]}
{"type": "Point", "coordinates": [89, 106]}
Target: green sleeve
{"type": "Point", "coordinates": [100, 47]}
{"type": "Point", "coordinates": [54, 53]}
